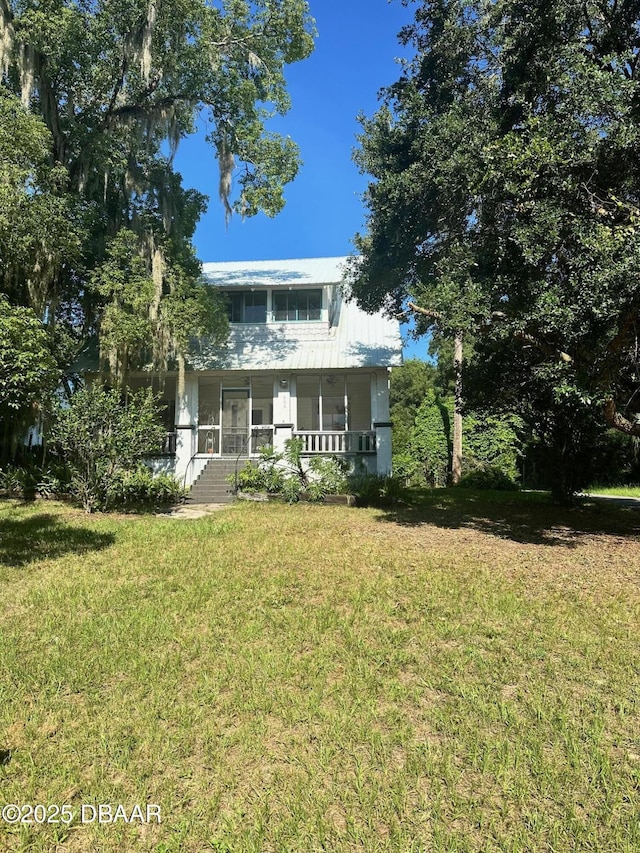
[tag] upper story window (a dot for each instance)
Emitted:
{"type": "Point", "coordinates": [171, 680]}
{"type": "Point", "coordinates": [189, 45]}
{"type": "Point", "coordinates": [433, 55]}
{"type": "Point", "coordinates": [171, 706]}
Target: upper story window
{"type": "Point", "coordinates": [255, 306]}
{"type": "Point", "coordinates": [246, 306]}
{"type": "Point", "coordinates": [297, 304]}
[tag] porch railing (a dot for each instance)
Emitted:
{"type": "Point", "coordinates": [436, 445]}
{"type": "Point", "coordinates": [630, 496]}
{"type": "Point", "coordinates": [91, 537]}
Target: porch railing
{"type": "Point", "coordinates": [354, 441]}
{"type": "Point", "coordinates": [230, 441]}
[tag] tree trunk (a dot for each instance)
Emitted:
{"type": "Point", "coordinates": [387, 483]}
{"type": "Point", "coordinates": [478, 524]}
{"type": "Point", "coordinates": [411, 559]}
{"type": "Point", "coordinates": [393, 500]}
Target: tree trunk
{"type": "Point", "coordinates": [181, 381]}
{"type": "Point", "coordinates": [456, 465]}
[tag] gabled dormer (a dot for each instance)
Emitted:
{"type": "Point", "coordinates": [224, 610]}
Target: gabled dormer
{"type": "Point", "coordinates": [278, 304]}
{"type": "Point", "coordinates": [289, 292]}
{"type": "Point", "coordinates": [290, 315]}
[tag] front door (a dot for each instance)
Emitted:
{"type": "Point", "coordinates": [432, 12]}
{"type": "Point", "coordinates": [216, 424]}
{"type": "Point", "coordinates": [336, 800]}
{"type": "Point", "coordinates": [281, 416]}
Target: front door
{"type": "Point", "coordinates": [235, 421]}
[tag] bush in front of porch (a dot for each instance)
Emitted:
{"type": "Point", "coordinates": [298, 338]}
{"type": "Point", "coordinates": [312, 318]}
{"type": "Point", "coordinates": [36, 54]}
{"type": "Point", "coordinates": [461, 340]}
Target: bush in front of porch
{"type": "Point", "coordinates": [103, 438]}
{"type": "Point", "coordinates": [290, 475]}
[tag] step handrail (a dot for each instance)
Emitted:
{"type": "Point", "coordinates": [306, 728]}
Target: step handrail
{"type": "Point", "coordinates": [186, 470]}
{"type": "Point", "coordinates": [235, 471]}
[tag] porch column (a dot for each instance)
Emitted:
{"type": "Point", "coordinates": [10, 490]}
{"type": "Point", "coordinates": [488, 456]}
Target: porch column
{"type": "Point", "coordinates": [282, 420]}
{"type": "Point", "coordinates": [186, 428]}
{"type": "Point", "coordinates": [381, 420]}
{"type": "Point", "coordinates": [281, 433]}
{"type": "Point", "coordinates": [383, 446]}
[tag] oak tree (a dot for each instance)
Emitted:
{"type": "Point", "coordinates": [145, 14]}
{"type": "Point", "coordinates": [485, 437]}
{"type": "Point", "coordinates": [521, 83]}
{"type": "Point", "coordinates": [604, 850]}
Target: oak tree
{"type": "Point", "coordinates": [117, 84]}
{"type": "Point", "coordinates": [504, 200]}
{"type": "Point", "coordinates": [95, 224]}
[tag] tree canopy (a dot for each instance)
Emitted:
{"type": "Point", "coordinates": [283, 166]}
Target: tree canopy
{"type": "Point", "coordinates": [95, 98]}
{"type": "Point", "coordinates": [28, 371]}
{"type": "Point", "coordinates": [504, 198]}
{"type": "Point", "coordinates": [36, 229]}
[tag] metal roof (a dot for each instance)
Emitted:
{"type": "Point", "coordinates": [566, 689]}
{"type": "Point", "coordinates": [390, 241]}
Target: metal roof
{"type": "Point", "coordinates": [355, 339]}
{"type": "Point", "coordinates": [304, 271]}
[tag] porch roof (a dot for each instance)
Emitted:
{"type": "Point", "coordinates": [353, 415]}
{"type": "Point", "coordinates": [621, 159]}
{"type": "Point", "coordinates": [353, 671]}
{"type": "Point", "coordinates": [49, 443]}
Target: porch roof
{"type": "Point", "coordinates": [353, 339]}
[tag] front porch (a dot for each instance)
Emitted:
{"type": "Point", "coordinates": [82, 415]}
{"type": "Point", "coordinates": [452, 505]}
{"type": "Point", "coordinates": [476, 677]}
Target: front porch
{"type": "Point", "coordinates": [235, 414]}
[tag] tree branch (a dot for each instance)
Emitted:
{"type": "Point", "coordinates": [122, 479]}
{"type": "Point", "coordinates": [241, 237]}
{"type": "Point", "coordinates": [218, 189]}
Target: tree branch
{"type": "Point", "coordinates": [527, 337]}
{"type": "Point", "coordinates": [616, 343]}
{"type": "Point", "coordinates": [434, 315]}
{"type": "Point", "coordinates": [147, 109]}
{"type": "Point", "coordinates": [117, 87]}
{"type": "Point", "coordinates": [547, 349]}
{"type": "Point", "coordinates": [617, 421]}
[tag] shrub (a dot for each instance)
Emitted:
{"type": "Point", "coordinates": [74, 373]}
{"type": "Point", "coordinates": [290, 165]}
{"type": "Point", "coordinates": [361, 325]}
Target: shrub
{"type": "Point", "coordinates": [140, 490]}
{"type": "Point", "coordinates": [100, 436]}
{"type": "Point", "coordinates": [263, 476]}
{"type": "Point", "coordinates": [51, 481]}
{"type": "Point", "coordinates": [488, 477]}
{"type": "Point", "coordinates": [375, 489]}
{"type": "Point", "coordinates": [11, 480]}
{"type": "Point", "coordinates": [327, 476]}
{"type": "Point", "coordinates": [392, 490]}
{"type": "Point", "coordinates": [430, 443]}
{"type": "Point", "coordinates": [54, 481]}
{"type": "Point", "coordinates": [285, 474]}
{"type": "Point", "coordinates": [291, 488]}
{"type": "Point", "coordinates": [292, 455]}
{"type": "Point", "coordinates": [492, 441]}
{"type": "Point", "coordinates": [19, 481]}
{"type": "Point", "coordinates": [407, 469]}
{"type": "Point", "coordinates": [251, 478]}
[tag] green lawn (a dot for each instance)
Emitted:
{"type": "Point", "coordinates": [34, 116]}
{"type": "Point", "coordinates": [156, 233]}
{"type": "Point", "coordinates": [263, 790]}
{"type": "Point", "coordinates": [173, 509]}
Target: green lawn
{"type": "Point", "coordinates": [616, 491]}
{"type": "Point", "coordinates": [458, 676]}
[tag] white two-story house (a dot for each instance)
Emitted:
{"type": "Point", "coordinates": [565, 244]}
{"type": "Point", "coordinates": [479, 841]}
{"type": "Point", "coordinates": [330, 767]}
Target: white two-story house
{"type": "Point", "coordinates": [300, 361]}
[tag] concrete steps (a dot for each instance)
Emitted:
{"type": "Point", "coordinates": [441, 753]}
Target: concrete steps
{"type": "Point", "coordinates": [212, 487]}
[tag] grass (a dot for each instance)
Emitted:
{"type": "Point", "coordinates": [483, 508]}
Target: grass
{"type": "Point", "coordinates": [616, 491]}
{"type": "Point", "coordinates": [457, 675]}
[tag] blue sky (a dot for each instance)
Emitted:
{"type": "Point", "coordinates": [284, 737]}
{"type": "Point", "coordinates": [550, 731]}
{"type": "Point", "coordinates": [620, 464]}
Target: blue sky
{"type": "Point", "coordinates": [354, 57]}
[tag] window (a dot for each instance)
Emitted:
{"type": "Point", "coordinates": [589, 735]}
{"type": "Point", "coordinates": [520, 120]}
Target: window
{"type": "Point", "coordinates": [322, 403]}
{"type": "Point", "coordinates": [359, 397]}
{"type": "Point", "coordinates": [334, 413]}
{"type": "Point", "coordinates": [297, 304]}
{"type": "Point", "coordinates": [246, 306]}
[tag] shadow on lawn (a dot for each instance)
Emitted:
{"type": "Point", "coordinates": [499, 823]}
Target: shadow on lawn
{"type": "Point", "coordinates": [522, 517]}
{"type": "Point", "coordinates": [44, 537]}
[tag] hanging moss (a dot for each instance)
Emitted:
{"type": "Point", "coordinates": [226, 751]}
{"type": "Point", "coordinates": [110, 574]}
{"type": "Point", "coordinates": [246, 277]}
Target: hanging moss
{"type": "Point", "coordinates": [117, 87]}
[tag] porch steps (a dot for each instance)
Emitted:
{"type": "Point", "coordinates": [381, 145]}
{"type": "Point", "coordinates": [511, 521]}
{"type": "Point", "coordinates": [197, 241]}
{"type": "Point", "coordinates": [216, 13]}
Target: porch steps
{"type": "Point", "coordinates": [212, 487]}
